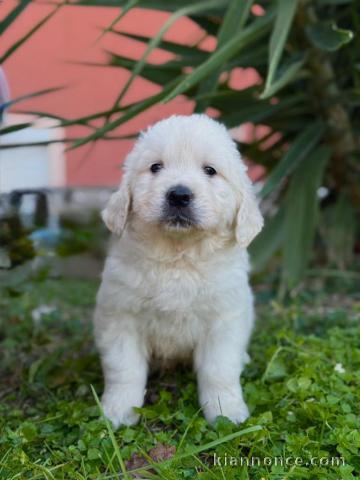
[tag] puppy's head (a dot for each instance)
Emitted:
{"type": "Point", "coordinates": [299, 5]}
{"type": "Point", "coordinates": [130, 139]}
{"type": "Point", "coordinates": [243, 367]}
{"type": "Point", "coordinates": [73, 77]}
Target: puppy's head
{"type": "Point", "coordinates": [184, 175]}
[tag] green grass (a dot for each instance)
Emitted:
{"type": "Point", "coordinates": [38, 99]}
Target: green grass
{"type": "Point", "coordinates": [302, 406]}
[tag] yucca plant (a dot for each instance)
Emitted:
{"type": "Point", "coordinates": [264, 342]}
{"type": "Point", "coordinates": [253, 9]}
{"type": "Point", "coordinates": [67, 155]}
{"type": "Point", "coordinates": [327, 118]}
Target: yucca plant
{"type": "Point", "coordinates": [307, 54]}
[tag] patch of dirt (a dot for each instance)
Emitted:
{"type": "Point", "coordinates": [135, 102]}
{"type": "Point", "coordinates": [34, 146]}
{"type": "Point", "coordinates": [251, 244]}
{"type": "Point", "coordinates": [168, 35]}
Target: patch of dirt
{"type": "Point", "coordinates": [159, 453]}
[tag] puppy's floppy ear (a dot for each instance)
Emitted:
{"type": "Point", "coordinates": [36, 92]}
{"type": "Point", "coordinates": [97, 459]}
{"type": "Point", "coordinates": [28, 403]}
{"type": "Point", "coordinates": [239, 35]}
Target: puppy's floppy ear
{"type": "Point", "coordinates": [117, 209]}
{"type": "Point", "coordinates": [249, 220]}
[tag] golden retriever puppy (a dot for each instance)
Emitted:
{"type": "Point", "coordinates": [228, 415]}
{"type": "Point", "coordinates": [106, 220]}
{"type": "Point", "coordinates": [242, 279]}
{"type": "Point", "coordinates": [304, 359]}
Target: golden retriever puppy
{"type": "Point", "coordinates": [175, 283]}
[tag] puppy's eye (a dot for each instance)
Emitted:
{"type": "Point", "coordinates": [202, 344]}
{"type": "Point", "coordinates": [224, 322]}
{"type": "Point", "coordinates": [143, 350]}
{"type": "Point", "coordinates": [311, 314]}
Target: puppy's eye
{"type": "Point", "coordinates": [155, 167]}
{"type": "Point", "coordinates": [210, 171]}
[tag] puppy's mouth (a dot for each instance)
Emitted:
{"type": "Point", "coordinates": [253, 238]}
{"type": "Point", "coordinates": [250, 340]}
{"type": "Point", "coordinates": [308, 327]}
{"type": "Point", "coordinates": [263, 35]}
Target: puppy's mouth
{"type": "Point", "coordinates": [178, 218]}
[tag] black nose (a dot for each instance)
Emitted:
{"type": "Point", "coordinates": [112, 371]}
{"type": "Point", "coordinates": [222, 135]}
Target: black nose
{"type": "Point", "coordinates": [179, 196]}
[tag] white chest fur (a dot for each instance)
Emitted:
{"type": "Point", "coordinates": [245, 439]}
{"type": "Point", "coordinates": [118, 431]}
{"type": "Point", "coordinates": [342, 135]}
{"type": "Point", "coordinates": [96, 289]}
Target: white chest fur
{"type": "Point", "coordinates": [173, 302]}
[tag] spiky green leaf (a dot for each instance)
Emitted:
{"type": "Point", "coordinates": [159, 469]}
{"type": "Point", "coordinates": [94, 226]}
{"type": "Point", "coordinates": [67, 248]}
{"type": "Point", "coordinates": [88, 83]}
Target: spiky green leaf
{"type": "Point", "coordinates": [12, 16]}
{"type": "Point", "coordinates": [253, 32]}
{"type": "Point", "coordinates": [284, 17]}
{"type": "Point", "coordinates": [268, 241]}
{"type": "Point", "coordinates": [302, 146]}
{"type": "Point", "coordinates": [328, 36]}
{"type": "Point", "coordinates": [302, 205]}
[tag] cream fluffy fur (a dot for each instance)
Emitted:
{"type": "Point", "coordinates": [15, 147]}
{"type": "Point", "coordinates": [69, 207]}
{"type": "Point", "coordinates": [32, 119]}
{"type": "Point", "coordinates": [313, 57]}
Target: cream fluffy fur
{"type": "Point", "coordinates": [170, 292]}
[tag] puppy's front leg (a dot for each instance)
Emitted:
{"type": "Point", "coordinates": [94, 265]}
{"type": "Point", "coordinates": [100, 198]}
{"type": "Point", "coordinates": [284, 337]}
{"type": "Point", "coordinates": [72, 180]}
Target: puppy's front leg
{"type": "Point", "coordinates": [125, 371]}
{"type": "Point", "coordinates": [219, 360]}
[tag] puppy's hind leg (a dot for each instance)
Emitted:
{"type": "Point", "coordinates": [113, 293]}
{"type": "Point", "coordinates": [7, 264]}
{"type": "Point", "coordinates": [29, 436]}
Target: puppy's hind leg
{"type": "Point", "coordinates": [124, 364]}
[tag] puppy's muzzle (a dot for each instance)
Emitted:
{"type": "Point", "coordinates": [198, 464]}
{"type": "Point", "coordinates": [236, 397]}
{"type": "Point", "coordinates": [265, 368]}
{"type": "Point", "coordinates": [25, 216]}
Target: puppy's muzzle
{"type": "Point", "coordinates": [178, 207]}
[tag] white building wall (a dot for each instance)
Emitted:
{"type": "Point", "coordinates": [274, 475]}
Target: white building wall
{"type": "Point", "coordinates": [27, 160]}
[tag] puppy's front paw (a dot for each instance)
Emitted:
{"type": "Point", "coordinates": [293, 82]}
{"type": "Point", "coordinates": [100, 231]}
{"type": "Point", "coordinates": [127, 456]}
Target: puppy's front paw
{"type": "Point", "coordinates": [118, 407]}
{"type": "Point", "coordinates": [235, 409]}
